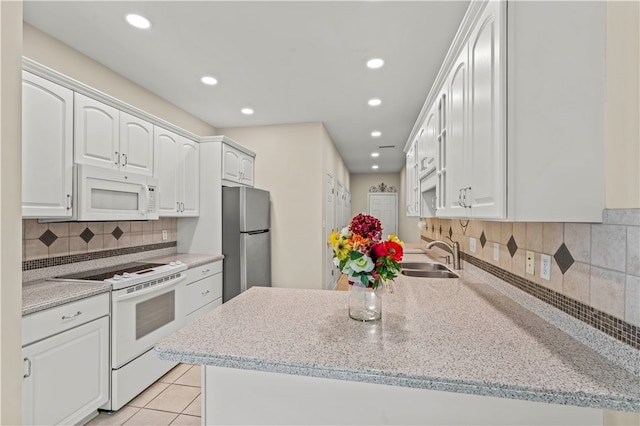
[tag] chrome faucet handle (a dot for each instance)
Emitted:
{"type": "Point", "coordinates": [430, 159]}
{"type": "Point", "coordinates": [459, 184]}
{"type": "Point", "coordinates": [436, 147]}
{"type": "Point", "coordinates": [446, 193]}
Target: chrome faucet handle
{"type": "Point", "coordinates": [449, 238]}
{"type": "Point", "coordinates": [447, 259]}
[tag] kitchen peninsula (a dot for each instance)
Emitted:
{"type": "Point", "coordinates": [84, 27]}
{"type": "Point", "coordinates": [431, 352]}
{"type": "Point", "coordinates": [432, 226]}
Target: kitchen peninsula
{"type": "Point", "coordinates": [447, 351]}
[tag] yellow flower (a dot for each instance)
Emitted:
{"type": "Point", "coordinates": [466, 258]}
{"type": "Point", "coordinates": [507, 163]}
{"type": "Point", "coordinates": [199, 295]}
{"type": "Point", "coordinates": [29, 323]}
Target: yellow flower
{"type": "Point", "coordinates": [395, 239]}
{"type": "Point", "coordinates": [333, 238]}
{"type": "Point", "coordinates": [341, 249]}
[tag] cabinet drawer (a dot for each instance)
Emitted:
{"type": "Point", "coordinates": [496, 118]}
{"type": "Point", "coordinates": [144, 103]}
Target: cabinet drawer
{"type": "Point", "coordinates": [203, 271]}
{"type": "Point", "coordinates": [203, 292]}
{"type": "Point", "coordinates": [203, 310]}
{"type": "Point", "coordinates": [52, 321]}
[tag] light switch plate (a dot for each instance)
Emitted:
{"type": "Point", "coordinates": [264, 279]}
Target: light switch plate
{"type": "Point", "coordinates": [472, 245]}
{"type": "Point", "coordinates": [531, 265]}
{"type": "Point", "coordinates": [545, 267]}
{"type": "Point", "coordinates": [165, 235]}
{"type": "Point", "coordinates": [496, 252]}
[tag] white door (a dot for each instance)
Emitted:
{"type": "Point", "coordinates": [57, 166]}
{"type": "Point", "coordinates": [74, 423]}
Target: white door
{"type": "Point", "coordinates": [329, 267]}
{"type": "Point", "coordinates": [47, 148]}
{"type": "Point", "coordinates": [136, 145]}
{"type": "Point", "coordinates": [166, 152]}
{"type": "Point", "coordinates": [384, 206]}
{"type": "Point", "coordinates": [96, 133]}
{"type": "Point", "coordinates": [339, 206]}
{"type": "Point", "coordinates": [189, 178]}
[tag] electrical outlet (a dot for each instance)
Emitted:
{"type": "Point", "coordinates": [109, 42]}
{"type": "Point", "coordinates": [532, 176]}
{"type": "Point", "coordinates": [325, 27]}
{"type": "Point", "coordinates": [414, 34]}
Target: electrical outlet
{"type": "Point", "coordinates": [165, 235]}
{"type": "Point", "coordinates": [531, 265]}
{"type": "Point", "coordinates": [496, 252]}
{"type": "Point", "coordinates": [472, 245]}
{"type": "Point", "coordinates": [545, 267]}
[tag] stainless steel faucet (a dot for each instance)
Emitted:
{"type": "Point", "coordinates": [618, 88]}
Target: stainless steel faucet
{"type": "Point", "coordinates": [454, 248]}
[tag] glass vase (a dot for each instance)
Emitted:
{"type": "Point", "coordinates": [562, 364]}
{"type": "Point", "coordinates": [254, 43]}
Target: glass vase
{"type": "Point", "coordinates": [365, 303]}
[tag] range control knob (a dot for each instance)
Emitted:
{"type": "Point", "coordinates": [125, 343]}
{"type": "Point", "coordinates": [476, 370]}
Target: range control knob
{"type": "Point", "coordinates": [178, 262]}
{"type": "Point", "coordinates": [117, 277]}
{"type": "Point", "coordinates": [126, 275]}
{"type": "Point", "coordinates": [172, 264]}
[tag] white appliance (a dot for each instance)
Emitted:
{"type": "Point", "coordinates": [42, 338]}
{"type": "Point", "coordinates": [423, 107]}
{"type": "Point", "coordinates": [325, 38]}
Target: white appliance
{"type": "Point", "coordinates": [144, 310]}
{"type": "Point", "coordinates": [101, 194]}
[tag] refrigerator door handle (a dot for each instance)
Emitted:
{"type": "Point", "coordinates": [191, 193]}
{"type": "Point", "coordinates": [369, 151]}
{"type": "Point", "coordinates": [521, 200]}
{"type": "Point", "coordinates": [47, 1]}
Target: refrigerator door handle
{"type": "Point", "coordinates": [262, 231]}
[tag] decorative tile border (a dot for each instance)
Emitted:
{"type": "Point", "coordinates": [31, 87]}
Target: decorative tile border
{"type": "Point", "coordinates": [82, 257]}
{"type": "Point", "coordinates": [612, 326]}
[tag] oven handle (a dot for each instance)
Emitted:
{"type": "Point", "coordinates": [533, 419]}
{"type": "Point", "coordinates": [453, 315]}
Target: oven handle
{"type": "Point", "coordinates": [156, 288]}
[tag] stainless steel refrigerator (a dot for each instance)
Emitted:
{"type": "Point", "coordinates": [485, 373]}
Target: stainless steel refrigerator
{"type": "Point", "coordinates": [246, 240]}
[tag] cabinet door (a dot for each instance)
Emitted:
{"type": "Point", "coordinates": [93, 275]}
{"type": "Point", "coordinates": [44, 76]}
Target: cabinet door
{"type": "Point", "coordinates": [96, 133]}
{"type": "Point", "coordinates": [246, 170]}
{"type": "Point", "coordinates": [487, 140]}
{"type": "Point", "coordinates": [189, 178]}
{"type": "Point", "coordinates": [230, 164]}
{"type": "Point", "coordinates": [166, 148]}
{"type": "Point", "coordinates": [136, 145]}
{"type": "Point", "coordinates": [442, 116]}
{"type": "Point", "coordinates": [66, 377]}
{"type": "Point", "coordinates": [47, 148]}
{"type": "Point", "coordinates": [411, 178]}
{"type": "Point", "coordinates": [427, 141]}
{"type": "Point", "coordinates": [456, 149]}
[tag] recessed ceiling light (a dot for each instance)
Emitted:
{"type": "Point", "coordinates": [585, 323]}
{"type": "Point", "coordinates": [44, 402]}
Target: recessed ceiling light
{"type": "Point", "coordinates": [375, 154]}
{"type": "Point", "coordinates": [376, 133]}
{"type": "Point", "coordinates": [374, 102]}
{"type": "Point", "coordinates": [375, 63]}
{"type": "Point", "coordinates": [246, 111]}
{"type": "Point", "coordinates": [209, 81]}
{"type": "Point", "coordinates": [375, 166]}
{"type": "Point", "coordinates": [138, 21]}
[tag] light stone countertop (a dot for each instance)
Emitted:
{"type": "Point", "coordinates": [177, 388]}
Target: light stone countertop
{"type": "Point", "coordinates": [458, 335]}
{"type": "Point", "coordinates": [41, 295]}
{"type": "Point", "coordinates": [45, 294]}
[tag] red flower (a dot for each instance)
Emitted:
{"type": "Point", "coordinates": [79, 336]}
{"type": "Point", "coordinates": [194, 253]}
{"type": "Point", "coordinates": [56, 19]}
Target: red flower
{"type": "Point", "coordinates": [395, 250]}
{"type": "Point", "coordinates": [379, 250]}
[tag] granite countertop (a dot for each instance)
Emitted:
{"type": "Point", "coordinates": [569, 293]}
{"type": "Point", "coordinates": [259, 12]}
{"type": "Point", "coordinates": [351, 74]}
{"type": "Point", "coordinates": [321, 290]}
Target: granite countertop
{"type": "Point", "coordinates": [41, 295]}
{"type": "Point", "coordinates": [45, 294]}
{"type": "Point", "coordinates": [458, 335]}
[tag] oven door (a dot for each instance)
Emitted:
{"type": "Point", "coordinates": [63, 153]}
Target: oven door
{"type": "Point", "coordinates": [141, 318]}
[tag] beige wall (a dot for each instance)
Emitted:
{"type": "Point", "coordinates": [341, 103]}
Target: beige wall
{"type": "Point", "coordinates": [10, 212]}
{"type": "Point", "coordinates": [56, 55]}
{"type": "Point", "coordinates": [288, 165]}
{"type": "Point", "coordinates": [622, 111]}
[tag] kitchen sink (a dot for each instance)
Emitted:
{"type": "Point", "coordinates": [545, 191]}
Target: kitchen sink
{"type": "Point", "coordinates": [424, 266]}
{"type": "Point", "coordinates": [423, 273]}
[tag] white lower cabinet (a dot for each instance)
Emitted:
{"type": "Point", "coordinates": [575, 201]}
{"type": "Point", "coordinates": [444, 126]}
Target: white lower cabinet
{"type": "Point", "coordinates": [66, 375]}
{"type": "Point", "coordinates": [203, 290]}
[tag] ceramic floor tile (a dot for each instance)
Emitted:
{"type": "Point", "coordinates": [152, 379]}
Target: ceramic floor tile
{"type": "Point", "coordinates": [175, 398]}
{"type": "Point", "coordinates": [113, 419]}
{"type": "Point", "coordinates": [147, 395]}
{"type": "Point", "coordinates": [146, 417]}
{"type": "Point", "coordinates": [195, 408]}
{"type": "Point", "coordinates": [190, 378]}
{"type": "Point", "coordinates": [184, 420]}
{"type": "Point", "coordinates": [175, 373]}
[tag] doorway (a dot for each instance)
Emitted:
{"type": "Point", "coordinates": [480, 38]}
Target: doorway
{"type": "Point", "coordinates": [384, 206]}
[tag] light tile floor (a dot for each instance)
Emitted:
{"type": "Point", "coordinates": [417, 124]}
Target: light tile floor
{"type": "Point", "coordinates": [173, 400]}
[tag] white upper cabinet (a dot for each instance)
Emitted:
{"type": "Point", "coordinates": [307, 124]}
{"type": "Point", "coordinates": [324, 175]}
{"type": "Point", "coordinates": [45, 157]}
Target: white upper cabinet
{"type": "Point", "coordinates": [521, 140]}
{"type": "Point", "coordinates": [412, 183]}
{"type": "Point", "coordinates": [177, 168]}
{"type": "Point", "coordinates": [96, 128]}
{"type": "Point", "coordinates": [109, 138]}
{"type": "Point", "coordinates": [427, 145]}
{"type": "Point", "coordinates": [136, 145]}
{"type": "Point", "coordinates": [47, 148]}
{"type": "Point", "coordinates": [237, 166]}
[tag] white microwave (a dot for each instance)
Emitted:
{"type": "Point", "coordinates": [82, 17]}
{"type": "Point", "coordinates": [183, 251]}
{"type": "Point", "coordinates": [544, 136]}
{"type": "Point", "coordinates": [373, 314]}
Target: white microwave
{"type": "Point", "coordinates": [102, 194]}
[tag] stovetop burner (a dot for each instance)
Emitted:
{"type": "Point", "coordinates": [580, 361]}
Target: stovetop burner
{"type": "Point", "coordinates": [106, 273]}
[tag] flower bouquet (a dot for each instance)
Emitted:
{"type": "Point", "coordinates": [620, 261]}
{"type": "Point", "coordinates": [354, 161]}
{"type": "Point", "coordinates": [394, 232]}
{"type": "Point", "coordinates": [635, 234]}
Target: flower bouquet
{"type": "Point", "coordinates": [368, 261]}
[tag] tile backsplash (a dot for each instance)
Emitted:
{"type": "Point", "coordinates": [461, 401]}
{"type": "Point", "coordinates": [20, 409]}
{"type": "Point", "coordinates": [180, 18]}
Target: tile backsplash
{"type": "Point", "coordinates": [593, 266]}
{"type": "Point", "coordinates": [44, 243]}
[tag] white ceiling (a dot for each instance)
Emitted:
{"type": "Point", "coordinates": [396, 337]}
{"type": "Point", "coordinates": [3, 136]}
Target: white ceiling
{"type": "Point", "coordinates": [292, 62]}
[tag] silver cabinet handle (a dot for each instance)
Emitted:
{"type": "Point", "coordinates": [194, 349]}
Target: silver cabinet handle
{"type": "Point", "coordinates": [206, 272]}
{"type": "Point", "coordinates": [117, 158]}
{"type": "Point", "coordinates": [181, 207]}
{"type": "Point", "coordinates": [28, 373]}
{"type": "Point", "coordinates": [178, 206]}
{"type": "Point", "coordinates": [77, 314]}
{"type": "Point", "coordinates": [204, 293]}
{"type": "Point", "coordinates": [126, 160]}
{"type": "Point", "coordinates": [69, 199]}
